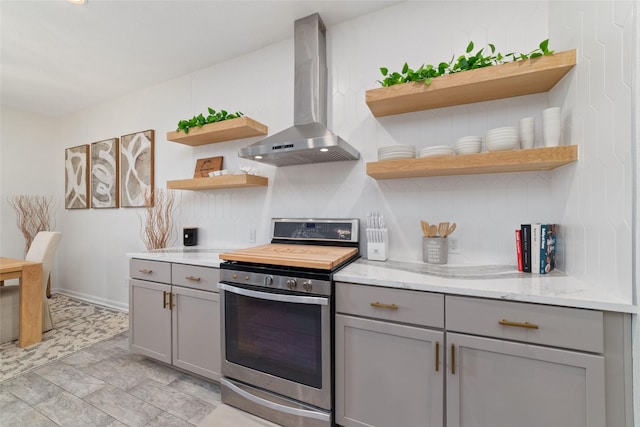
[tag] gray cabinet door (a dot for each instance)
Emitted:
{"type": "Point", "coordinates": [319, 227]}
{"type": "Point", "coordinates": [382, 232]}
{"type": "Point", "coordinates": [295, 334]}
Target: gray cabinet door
{"type": "Point", "coordinates": [386, 374]}
{"type": "Point", "coordinates": [196, 331]}
{"type": "Point", "coordinates": [149, 319]}
{"type": "Point", "coordinates": [491, 382]}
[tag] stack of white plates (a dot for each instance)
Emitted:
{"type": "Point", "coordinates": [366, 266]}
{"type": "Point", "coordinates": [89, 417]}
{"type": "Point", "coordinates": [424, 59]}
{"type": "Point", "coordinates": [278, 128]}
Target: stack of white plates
{"type": "Point", "coordinates": [468, 145]}
{"type": "Point", "coordinates": [394, 152]}
{"type": "Point", "coordinates": [504, 138]}
{"type": "Point", "coordinates": [437, 150]}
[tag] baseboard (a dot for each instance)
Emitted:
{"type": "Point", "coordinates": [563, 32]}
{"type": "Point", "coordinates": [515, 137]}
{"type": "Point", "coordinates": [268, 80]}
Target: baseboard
{"type": "Point", "coordinates": [116, 305]}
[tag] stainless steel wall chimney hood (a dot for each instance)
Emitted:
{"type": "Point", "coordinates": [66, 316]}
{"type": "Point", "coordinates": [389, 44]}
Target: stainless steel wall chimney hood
{"type": "Point", "coordinates": [308, 140]}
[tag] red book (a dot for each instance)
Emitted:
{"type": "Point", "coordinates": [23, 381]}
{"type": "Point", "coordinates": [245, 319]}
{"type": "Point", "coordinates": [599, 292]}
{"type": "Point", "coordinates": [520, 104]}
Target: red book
{"type": "Point", "coordinates": [519, 249]}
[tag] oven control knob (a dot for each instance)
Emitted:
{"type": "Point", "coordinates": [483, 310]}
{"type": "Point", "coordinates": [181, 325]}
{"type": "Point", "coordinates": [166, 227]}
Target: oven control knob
{"type": "Point", "coordinates": [307, 285]}
{"type": "Point", "coordinates": [268, 280]}
{"type": "Point", "coordinates": [292, 283]}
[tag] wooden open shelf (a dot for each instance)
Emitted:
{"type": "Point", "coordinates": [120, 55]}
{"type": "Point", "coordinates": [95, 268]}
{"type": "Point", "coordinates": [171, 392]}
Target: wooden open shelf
{"type": "Point", "coordinates": [484, 84]}
{"type": "Point", "coordinates": [218, 182]}
{"type": "Point", "coordinates": [242, 127]}
{"type": "Point", "coordinates": [534, 159]}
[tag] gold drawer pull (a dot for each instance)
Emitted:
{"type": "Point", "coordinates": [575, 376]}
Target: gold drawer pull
{"type": "Point", "coordinates": [437, 356]}
{"type": "Point", "coordinates": [145, 271]}
{"type": "Point", "coordinates": [505, 322]}
{"type": "Point", "coordinates": [164, 299]}
{"type": "Point", "coordinates": [171, 301]}
{"type": "Point", "coordinates": [381, 305]}
{"type": "Point", "coordinates": [195, 279]}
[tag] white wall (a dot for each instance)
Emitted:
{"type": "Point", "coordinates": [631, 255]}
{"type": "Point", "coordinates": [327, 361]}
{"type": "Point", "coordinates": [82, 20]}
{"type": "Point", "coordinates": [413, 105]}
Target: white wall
{"type": "Point", "coordinates": [590, 199]}
{"type": "Point", "coordinates": [29, 147]}
{"type": "Point", "coordinates": [635, 323]}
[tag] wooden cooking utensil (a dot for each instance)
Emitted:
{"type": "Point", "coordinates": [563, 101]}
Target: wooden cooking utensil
{"type": "Point", "coordinates": [451, 229]}
{"type": "Point", "coordinates": [433, 230]}
{"type": "Point", "coordinates": [442, 229]}
{"type": "Point", "coordinates": [425, 227]}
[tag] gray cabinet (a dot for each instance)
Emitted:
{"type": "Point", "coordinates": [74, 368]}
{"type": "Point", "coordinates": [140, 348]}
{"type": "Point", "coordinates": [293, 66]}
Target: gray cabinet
{"type": "Point", "coordinates": [174, 315]}
{"type": "Point", "coordinates": [389, 373]}
{"type": "Point", "coordinates": [531, 365]}
{"type": "Point", "coordinates": [416, 359]}
{"type": "Point", "coordinates": [499, 383]}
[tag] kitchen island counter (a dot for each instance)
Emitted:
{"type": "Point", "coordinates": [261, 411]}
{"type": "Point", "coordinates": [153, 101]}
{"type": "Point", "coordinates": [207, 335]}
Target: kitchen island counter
{"type": "Point", "coordinates": [497, 282]}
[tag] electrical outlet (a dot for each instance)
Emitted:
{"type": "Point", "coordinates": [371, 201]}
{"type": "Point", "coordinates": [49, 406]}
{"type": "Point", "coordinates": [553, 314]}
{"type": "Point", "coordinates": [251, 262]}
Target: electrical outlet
{"type": "Point", "coordinates": [126, 282]}
{"type": "Point", "coordinates": [252, 235]}
{"type": "Point", "coordinates": [453, 246]}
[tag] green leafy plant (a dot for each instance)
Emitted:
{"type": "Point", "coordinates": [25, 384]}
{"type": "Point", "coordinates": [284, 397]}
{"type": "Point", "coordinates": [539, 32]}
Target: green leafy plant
{"type": "Point", "coordinates": [465, 62]}
{"type": "Point", "coordinates": [200, 120]}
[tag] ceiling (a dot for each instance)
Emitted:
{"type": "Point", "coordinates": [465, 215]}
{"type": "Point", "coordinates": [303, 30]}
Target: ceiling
{"type": "Point", "coordinates": [57, 57]}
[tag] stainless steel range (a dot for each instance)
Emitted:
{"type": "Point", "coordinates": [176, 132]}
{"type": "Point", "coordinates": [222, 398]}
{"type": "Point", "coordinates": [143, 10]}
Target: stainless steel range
{"type": "Point", "coordinates": [277, 314]}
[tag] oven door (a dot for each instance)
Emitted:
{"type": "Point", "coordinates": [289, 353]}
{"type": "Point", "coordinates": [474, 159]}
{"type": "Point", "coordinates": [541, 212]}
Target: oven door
{"type": "Point", "coordinates": [280, 342]}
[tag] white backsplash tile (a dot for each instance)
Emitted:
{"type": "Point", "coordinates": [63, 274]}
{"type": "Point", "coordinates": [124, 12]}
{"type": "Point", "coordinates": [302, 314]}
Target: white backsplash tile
{"type": "Point", "coordinates": [591, 199]}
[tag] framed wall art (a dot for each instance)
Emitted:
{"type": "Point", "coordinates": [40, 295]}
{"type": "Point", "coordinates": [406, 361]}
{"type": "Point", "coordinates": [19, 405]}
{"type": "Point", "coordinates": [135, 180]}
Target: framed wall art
{"type": "Point", "coordinates": [105, 174]}
{"type": "Point", "coordinates": [206, 165]}
{"type": "Point", "coordinates": [76, 178]}
{"type": "Point", "coordinates": [136, 168]}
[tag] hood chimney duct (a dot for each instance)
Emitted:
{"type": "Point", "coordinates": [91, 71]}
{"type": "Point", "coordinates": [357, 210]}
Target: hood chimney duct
{"type": "Point", "coordinates": [308, 140]}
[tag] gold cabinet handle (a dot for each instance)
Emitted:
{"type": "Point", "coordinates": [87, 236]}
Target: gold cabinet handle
{"type": "Point", "coordinates": [145, 271]}
{"type": "Point", "coordinates": [192, 278]}
{"type": "Point", "coordinates": [453, 359]}
{"type": "Point", "coordinates": [505, 322]}
{"type": "Point", "coordinates": [170, 301]}
{"type": "Point", "coordinates": [437, 356]}
{"type": "Point", "coordinates": [381, 305]}
{"type": "Point", "coordinates": [164, 299]}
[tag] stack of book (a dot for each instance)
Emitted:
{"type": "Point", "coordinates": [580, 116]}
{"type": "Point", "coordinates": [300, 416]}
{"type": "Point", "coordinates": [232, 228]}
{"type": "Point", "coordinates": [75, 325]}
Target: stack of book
{"type": "Point", "coordinates": [536, 248]}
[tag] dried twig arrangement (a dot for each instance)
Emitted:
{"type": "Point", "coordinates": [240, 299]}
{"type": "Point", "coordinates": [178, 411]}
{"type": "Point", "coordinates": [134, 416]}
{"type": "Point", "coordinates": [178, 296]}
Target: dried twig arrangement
{"type": "Point", "coordinates": [33, 214]}
{"type": "Point", "coordinates": [158, 226]}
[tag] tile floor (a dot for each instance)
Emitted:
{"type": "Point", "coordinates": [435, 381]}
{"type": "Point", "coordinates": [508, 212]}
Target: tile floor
{"type": "Point", "coordinates": [106, 385]}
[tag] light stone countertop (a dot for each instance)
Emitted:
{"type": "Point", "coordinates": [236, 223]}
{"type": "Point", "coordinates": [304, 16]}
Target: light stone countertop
{"type": "Point", "coordinates": [497, 281]}
{"type": "Point", "coordinates": [203, 257]}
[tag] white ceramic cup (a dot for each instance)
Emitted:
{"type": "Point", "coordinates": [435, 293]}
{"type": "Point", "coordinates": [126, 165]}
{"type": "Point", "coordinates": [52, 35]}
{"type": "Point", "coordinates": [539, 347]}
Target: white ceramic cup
{"type": "Point", "coordinates": [527, 132]}
{"type": "Point", "coordinates": [551, 127]}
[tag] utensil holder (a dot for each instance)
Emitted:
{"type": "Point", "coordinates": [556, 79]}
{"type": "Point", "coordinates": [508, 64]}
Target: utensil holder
{"type": "Point", "coordinates": [378, 245]}
{"type": "Point", "coordinates": [435, 250]}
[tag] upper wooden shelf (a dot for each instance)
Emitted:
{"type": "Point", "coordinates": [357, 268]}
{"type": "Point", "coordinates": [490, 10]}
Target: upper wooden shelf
{"type": "Point", "coordinates": [515, 78]}
{"type": "Point", "coordinates": [218, 182]}
{"type": "Point", "coordinates": [534, 159]}
{"type": "Point", "coordinates": [242, 127]}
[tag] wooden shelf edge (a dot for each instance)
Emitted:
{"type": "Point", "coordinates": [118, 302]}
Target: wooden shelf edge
{"type": "Point", "coordinates": [534, 159]}
{"type": "Point", "coordinates": [241, 127]}
{"type": "Point", "coordinates": [515, 78]}
{"type": "Point", "coordinates": [218, 182]}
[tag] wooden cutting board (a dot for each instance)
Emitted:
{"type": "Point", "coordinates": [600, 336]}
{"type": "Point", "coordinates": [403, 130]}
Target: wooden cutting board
{"type": "Point", "coordinates": [305, 256]}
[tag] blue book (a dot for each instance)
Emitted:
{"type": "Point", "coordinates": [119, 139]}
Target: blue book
{"type": "Point", "coordinates": [542, 248]}
{"type": "Point", "coordinates": [548, 245]}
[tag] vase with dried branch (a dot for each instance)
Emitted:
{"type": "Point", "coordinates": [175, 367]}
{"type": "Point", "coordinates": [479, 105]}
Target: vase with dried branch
{"type": "Point", "coordinates": [157, 230]}
{"type": "Point", "coordinates": [33, 214]}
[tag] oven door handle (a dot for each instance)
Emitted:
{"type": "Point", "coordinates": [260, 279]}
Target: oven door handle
{"type": "Point", "coordinates": [276, 406]}
{"type": "Point", "coordinates": [298, 299]}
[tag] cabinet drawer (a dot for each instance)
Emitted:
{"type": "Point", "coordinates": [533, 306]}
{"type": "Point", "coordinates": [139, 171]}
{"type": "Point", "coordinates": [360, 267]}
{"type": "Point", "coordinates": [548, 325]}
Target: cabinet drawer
{"type": "Point", "coordinates": [418, 308]}
{"type": "Point", "coordinates": [572, 328]}
{"type": "Point", "coordinates": [190, 276]}
{"type": "Point", "coordinates": [154, 271]}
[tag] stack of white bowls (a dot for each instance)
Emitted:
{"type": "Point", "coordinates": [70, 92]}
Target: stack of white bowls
{"type": "Point", "coordinates": [527, 132]}
{"type": "Point", "coordinates": [468, 145]}
{"type": "Point", "coordinates": [394, 152]}
{"type": "Point", "coordinates": [499, 139]}
{"type": "Point", "coordinates": [551, 127]}
{"type": "Point", "coordinates": [437, 150]}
